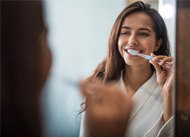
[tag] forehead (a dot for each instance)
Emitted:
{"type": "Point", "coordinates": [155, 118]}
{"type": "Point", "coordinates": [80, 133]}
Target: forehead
{"type": "Point", "coordinates": [138, 20]}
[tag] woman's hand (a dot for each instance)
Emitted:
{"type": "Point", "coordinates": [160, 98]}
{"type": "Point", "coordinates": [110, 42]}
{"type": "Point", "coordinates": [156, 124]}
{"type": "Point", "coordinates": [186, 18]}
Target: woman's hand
{"type": "Point", "coordinates": [164, 67]}
{"type": "Point", "coordinates": [164, 71]}
{"type": "Point", "coordinates": [107, 111]}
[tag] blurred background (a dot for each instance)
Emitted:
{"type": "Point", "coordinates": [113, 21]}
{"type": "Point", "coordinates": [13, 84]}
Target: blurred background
{"type": "Point", "coordinates": [78, 32]}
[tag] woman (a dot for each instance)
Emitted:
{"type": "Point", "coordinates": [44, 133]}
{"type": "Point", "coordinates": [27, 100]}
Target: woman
{"type": "Point", "coordinates": [150, 83]}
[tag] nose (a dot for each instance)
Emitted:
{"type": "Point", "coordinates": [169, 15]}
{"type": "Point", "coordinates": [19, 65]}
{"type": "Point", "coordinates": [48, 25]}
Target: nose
{"type": "Point", "coordinates": [132, 41]}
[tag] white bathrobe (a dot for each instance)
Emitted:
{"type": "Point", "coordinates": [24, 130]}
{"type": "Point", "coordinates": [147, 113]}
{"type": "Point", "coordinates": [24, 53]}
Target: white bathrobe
{"type": "Point", "coordinates": [146, 117]}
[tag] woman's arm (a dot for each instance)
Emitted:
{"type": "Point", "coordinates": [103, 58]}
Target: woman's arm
{"type": "Point", "coordinates": [165, 75]}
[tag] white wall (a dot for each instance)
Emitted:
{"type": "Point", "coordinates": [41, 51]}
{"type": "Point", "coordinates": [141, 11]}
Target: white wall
{"type": "Point", "coordinates": [78, 38]}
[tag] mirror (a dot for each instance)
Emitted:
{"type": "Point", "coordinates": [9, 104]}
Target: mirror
{"type": "Point", "coordinates": [78, 36]}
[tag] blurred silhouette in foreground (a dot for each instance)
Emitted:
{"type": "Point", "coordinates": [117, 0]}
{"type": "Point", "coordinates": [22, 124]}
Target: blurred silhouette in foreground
{"type": "Point", "coordinates": [25, 65]}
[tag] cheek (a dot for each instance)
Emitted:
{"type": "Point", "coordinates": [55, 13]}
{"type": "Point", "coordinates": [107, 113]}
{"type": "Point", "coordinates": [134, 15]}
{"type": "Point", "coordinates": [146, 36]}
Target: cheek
{"type": "Point", "coordinates": [149, 45]}
{"type": "Point", "coordinates": [120, 45]}
{"type": "Point", "coordinates": [119, 42]}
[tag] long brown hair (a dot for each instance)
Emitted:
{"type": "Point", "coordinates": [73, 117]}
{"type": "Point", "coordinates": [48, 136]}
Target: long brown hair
{"type": "Point", "coordinates": [110, 68]}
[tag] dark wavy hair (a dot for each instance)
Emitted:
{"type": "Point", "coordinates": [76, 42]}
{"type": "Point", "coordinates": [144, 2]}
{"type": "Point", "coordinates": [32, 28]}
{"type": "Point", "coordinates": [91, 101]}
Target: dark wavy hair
{"type": "Point", "coordinates": [110, 68]}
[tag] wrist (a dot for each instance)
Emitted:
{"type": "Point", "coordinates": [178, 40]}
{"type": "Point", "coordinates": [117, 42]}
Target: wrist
{"type": "Point", "coordinates": [168, 106]}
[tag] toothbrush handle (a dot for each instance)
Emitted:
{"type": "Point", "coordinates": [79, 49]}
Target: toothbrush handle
{"type": "Point", "coordinates": [148, 57]}
{"type": "Point", "coordinates": [166, 66]}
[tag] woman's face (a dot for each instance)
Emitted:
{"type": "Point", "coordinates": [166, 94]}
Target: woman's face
{"type": "Point", "coordinates": [137, 33]}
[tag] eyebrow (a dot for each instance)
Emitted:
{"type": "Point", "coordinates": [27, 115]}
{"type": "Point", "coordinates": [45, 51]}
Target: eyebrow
{"type": "Point", "coordinates": [126, 27]}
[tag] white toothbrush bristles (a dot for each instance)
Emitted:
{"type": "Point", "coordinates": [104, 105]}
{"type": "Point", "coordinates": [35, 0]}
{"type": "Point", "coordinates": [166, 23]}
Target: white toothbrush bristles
{"type": "Point", "coordinates": [133, 52]}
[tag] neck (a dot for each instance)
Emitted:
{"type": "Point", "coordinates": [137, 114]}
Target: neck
{"type": "Point", "coordinates": [134, 77]}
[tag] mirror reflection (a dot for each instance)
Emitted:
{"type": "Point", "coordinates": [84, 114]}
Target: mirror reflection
{"type": "Point", "coordinates": [78, 34]}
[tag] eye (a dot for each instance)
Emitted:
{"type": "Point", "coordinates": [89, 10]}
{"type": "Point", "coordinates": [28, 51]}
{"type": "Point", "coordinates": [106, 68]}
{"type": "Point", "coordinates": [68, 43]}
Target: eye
{"type": "Point", "coordinates": [144, 34]}
{"type": "Point", "coordinates": [124, 32]}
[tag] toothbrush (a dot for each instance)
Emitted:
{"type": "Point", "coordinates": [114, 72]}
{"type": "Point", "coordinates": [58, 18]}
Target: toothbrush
{"type": "Point", "coordinates": [133, 52]}
{"type": "Point", "coordinates": [148, 57]}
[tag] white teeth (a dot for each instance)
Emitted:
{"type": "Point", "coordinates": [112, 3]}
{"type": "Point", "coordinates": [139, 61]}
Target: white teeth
{"type": "Point", "coordinates": [126, 48]}
{"type": "Point", "coordinates": [135, 50]}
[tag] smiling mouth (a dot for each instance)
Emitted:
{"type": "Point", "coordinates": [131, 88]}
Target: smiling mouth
{"type": "Point", "coordinates": [137, 50]}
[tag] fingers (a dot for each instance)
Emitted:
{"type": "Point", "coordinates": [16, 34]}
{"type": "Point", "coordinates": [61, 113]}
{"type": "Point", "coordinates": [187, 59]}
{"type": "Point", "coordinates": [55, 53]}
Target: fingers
{"type": "Point", "coordinates": [92, 91]}
{"type": "Point", "coordinates": [156, 66]}
{"type": "Point", "coordinates": [97, 93]}
{"type": "Point", "coordinates": [102, 94]}
{"type": "Point", "coordinates": [164, 62]}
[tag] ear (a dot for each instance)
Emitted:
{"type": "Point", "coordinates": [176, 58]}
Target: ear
{"type": "Point", "coordinates": [158, 44]}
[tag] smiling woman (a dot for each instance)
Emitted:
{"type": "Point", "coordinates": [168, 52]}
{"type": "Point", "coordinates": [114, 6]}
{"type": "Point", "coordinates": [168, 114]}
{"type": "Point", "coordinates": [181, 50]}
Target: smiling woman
{"type": "Point", "coordinates": [140, 28]}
